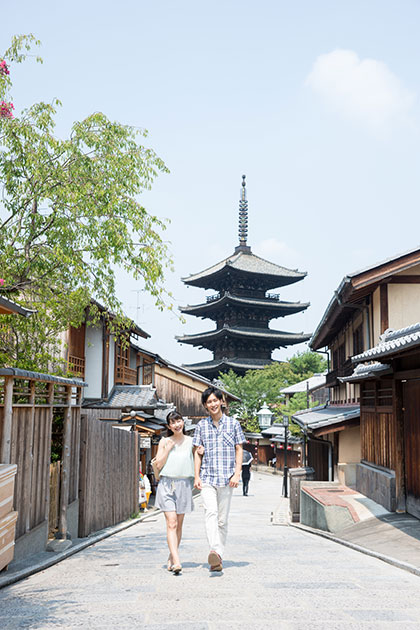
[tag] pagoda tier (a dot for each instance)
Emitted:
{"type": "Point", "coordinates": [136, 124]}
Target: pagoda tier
{"type": "Point", "coordinates": [250, 341]}
{"type": "Point", "coordinates": [244, 273]}
{"type": "Point", "coordinates": [217, 306]}
{"type": "Point", "coordinates": [212, 369]}
{"type": "Point", "coordinates": [242, 310]}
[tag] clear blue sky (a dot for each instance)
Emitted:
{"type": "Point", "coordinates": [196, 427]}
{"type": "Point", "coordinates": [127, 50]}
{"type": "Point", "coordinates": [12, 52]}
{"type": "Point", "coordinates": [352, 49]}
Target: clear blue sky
{"type": "Point", "coordinates": [316, 102]}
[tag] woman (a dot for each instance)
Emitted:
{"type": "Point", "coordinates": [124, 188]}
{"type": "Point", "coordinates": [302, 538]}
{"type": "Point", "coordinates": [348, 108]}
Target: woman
{"type": "Point", "coordinates": [174, 492]}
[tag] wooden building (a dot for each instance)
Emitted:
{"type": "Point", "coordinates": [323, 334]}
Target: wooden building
{"type": "Point", "coordinates": [363, 307]}
{"type": "Point", "coordinates": [242, 308]}
{"type": "Point", "coordinates": [389, 377]}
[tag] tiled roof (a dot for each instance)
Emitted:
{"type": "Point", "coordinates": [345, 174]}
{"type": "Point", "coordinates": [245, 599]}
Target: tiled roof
{"type": "Point", "coordinates": [248, 364]}
{"type": "Point", "coordinates": [365, 371]}
{"type": "Point", "coordinates": [276, 305]}
{"type": "Point", "coordinates": [39, 376]}
{"type": "Point", "coordinates": [391, 342]}
{"type": "Point", "coordinates": [324, 416]}
{"type": "Point", "coordinates": [309, 384]}
{"type": "Point", "coordinates": [236, 331]}
{"type": "Point", "coordinates": [7, 306]}
{"type": "Point", "coordinates": [131, 396]}
{"type": "Point", "coordinates": [248, 262]}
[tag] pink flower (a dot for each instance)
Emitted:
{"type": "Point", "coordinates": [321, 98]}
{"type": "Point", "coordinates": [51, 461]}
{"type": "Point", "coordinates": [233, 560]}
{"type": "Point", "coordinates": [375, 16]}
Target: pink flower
{"type": "Point", "coordinates": [6, 109]}
{"type": "Point", "coordinates": [1, 282]}
{"type": "Point", "coordinates": [3, 67]}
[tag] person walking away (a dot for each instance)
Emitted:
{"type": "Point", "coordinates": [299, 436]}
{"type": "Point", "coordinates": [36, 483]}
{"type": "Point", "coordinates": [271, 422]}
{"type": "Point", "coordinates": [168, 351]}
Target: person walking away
{"type": "Point", "coordinates": [175, 460]}
{"type": "Point", "coordinates": [217, 472]}
{"type": "Point", "coordinates": [246, 472]}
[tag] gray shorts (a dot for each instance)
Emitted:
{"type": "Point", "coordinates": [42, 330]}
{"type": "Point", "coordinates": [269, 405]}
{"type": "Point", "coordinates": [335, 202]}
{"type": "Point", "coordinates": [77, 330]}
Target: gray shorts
{"type": "Point", "coordinates": [175, 495]}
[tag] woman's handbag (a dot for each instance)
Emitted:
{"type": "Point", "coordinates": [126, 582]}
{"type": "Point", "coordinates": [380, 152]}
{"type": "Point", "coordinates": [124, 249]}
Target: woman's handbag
{"type": "Point", "coordinates": [156, 469]}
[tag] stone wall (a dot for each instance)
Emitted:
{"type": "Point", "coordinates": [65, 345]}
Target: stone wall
{"type": "Point", "coordinates": [378, 484]}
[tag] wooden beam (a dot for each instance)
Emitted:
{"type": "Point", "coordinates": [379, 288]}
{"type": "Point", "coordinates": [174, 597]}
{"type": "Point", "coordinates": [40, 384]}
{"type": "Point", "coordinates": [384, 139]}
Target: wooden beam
{"type": "Point", "coordinates": [407, 374]}
{"type": "Point", "coordinates": [384, 307]}
{"type": "Point", "coordinates": [7, 420]}
{"type": "Point", "coordinates": [28, 490]}
{"type": "Point", "coordinates": [405, 280]}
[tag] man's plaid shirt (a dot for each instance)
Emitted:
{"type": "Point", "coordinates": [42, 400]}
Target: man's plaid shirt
{"type": "Point", "coordinates": [218, 463]}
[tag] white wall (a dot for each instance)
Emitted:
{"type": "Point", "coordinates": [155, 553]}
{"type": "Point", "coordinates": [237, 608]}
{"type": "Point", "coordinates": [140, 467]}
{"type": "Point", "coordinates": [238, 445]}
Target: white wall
{"type": "Point", "coordinates": [403, 305]}
{"type": "Point", "coordinates": [111, 370]}
{"type": "Point", "coordinates": [93, 370]}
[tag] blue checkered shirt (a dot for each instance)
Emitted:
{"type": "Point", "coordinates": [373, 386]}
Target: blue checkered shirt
{"type": "Point", "coordinates": [219, 443]}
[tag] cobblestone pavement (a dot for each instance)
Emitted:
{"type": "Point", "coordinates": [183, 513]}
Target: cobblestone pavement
{"type": "Point", "coordinates": [274, 577]}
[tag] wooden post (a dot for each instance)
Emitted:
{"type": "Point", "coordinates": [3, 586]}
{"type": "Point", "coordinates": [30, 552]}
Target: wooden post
{"type": "Point", "coordinates": [65, 467]}
{"type": "Point", "coordinates": [28, 491]}
{"type": "Point", "coordinates": [7, 420]}
{"type": "Point", "coordinates": [50, 402]}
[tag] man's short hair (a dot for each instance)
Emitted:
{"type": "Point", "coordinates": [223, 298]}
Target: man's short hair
{"type": "Point", "coordinates": [209, 391]}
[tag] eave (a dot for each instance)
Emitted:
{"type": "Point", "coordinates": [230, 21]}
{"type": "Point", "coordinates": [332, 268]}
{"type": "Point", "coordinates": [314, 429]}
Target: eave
{"type": "Point", "coordinates": [351, 292]}
{"type": "Point", "coordinates": [278, 308]}
{"type": "Point", "coordinates": [277, 337]}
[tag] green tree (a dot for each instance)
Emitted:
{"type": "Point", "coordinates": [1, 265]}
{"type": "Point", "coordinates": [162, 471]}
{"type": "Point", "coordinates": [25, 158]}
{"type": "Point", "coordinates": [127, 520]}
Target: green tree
{"type": "Point", "coordinates": [69, 216]}
{"type": "Point", "coordinates": [258, 386]}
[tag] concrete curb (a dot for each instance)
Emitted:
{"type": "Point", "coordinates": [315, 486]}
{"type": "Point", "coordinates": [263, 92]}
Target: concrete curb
{"type": "Point", "coordinates": [375, 554]}
{"type": "Point", "coordinates": [45, 563]}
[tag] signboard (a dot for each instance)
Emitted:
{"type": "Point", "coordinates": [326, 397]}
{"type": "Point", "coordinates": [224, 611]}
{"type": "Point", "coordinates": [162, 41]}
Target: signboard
{"type": "Point", "coordinates": [145, 442]}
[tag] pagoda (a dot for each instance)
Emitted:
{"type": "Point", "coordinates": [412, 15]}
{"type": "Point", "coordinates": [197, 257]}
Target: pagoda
{"type": "Point", "coordinates": [242, 308]}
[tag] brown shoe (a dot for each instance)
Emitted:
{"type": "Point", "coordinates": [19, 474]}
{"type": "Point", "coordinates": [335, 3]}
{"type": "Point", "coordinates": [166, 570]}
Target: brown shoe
{"type": "Point", "coordinates": [215, 561]}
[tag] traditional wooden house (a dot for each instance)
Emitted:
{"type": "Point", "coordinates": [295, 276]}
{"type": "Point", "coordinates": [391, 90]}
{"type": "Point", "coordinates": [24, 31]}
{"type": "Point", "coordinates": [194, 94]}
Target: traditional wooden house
{"type": "Point", "coordinates": [363, 307]}
{"type": "Point", "coordinates": [389, 378]}
{"type": "Point", "coordinates": [242, 308]}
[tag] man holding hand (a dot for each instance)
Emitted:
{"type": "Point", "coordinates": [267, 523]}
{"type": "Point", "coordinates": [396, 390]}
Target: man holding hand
{"type": "Point", "coordinates": [218, 471]}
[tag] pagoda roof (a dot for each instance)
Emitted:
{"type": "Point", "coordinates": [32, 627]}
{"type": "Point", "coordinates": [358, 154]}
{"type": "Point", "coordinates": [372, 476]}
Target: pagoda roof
{"type": "Point", "coordinates": [274, 304]}
{"type": "Point", "coordinates": [245, 263]}
{"type": "Point", "coordinates": [236, 363]}
{"type": "Point", "coordinates": [279, 337]}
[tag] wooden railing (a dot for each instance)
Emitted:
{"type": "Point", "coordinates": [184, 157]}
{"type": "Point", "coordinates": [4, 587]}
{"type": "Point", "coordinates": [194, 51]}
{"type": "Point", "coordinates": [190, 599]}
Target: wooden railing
{"type": "Point", "coordinates": [125, 375]}
{"type": "Point", "coordinates": [76, 366]}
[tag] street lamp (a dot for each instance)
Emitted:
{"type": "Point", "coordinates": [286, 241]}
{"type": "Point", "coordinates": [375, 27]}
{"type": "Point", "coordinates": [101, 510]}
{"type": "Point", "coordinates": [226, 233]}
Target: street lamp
{"type": "Point", "coordinates": [286, 433]}
{"type": "Point", "coordinates": [264, 416]}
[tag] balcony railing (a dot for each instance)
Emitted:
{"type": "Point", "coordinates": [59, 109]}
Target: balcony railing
{"type": "Point", "coordinates": [125, 375]}
{"type": "Point", "coordinates": [343, 370]}
{"type": "Point", "coordinates": [76, 366]}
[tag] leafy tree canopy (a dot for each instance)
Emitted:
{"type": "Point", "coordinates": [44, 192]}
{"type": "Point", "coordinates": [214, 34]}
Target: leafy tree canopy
{"type": "Point", "coordinates": [258, 386]}
{"type": "Point", "coordinates": [69, 215]}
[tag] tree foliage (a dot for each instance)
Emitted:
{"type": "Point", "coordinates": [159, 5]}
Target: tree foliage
{"type": "Point", "coordinates": [69, 216]}
{"type": "Point", "coordinates": [258, 386]}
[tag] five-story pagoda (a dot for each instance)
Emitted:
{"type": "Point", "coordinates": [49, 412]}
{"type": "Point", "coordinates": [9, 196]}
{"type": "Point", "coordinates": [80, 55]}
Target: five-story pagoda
{"type": "Point", "coordinates": [242, 308]}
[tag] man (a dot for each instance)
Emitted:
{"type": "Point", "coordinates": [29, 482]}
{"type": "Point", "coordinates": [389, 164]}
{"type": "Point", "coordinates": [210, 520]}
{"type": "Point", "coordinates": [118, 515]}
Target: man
{"type": "Point", "coordinates": [218, 471]}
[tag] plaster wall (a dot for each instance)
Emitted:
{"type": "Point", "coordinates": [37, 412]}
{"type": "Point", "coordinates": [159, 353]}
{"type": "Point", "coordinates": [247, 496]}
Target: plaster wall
{"type": "Point", "coordinates": [93, 369]}
{"type": "Point", "coordinates": [111, 370]}
{"type": "Point", "coordinates": [349, 445]}
{"type": "Point", "coordinates": [403, 305]}
{"type": "Point", "coordinates": [376, 317]}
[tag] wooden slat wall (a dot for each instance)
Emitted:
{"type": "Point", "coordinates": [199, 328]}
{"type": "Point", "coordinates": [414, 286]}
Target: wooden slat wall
{"type": "Point", "coordinates": [74, 454]}
{"type": "Point", "coordinates": [108, 483]}
{"type": "Point", "coordinates": [379, 438]}
{"type": "Point", "coordinates": [31, 444]}
{"type": "Point", "coordinates": [186, 400]}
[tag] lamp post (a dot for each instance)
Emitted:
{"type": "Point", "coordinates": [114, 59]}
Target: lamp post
{"type": "Point", "coordinates": [286, 433]}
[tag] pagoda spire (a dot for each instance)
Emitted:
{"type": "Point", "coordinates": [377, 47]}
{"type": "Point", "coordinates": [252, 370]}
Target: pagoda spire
{"type": "Point", "coordinates": [243, 219]}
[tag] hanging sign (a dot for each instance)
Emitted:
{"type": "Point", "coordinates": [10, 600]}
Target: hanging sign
{"type": "Point", "coordinates": [145, 442]}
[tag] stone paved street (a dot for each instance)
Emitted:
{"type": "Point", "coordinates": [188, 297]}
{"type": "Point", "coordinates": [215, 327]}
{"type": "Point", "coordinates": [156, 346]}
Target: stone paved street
{"type": "Point", "coordinates": [274, 577]}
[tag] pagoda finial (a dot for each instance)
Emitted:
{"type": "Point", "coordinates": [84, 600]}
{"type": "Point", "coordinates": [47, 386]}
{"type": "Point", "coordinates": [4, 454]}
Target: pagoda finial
{"type": "Point", "coordinates": [243, 215]}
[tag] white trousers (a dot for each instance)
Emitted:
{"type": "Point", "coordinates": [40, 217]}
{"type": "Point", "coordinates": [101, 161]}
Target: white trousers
{"type": "Point", "coordinates": [216, 502]}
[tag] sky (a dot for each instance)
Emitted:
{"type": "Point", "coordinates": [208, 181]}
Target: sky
{"type": "Point", "coordinates": [316, 102]}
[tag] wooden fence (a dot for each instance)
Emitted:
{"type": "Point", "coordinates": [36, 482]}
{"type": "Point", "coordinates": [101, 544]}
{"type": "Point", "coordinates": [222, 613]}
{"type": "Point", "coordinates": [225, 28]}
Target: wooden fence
{"type": "Point", "coordinates": [108, 483]}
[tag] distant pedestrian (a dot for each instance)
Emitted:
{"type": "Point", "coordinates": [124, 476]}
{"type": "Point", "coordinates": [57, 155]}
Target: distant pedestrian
{"type": "Point", "coordinates": [174, 492]}
{"type": "Point", "coordinates": [218, 471]}
{"type": "Point", "coordinates": [246, 472]}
